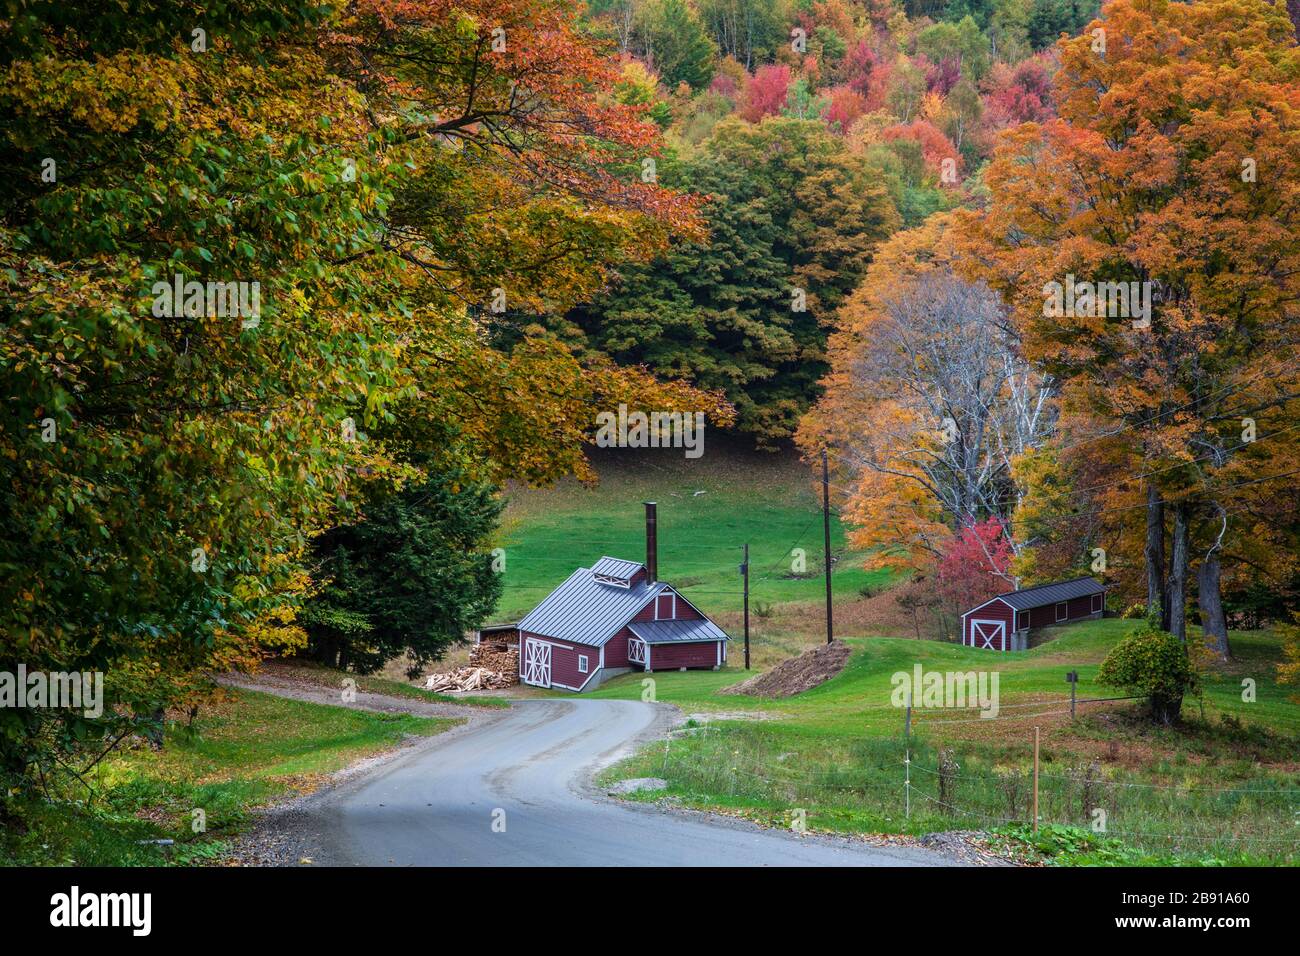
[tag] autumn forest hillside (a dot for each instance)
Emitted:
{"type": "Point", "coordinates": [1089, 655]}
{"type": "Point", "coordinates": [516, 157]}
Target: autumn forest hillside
{"type": "Point", "coordinates": [293, 295]}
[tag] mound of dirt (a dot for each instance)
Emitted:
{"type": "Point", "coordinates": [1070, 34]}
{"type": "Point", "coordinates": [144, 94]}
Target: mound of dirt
{"type": "Point", "coordinates": [796, 675]}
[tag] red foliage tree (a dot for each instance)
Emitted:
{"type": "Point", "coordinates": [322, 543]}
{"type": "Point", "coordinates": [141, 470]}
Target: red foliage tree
{"type": "Point", "coordinates": [765, 93]}
{"type": "Point", "coordinates": [941, 77]}
{"type": "Point", "coordinates": [935, 147]}
{"type": "Point", "coordinates": [724, 84]}
{"type": "Point", "coordinates": [1022, 94]}
{"type": "Point", "coordinates": [857, 67]}
{"type": "Point", "coordinates": [973, 566]}
{"type": "Point", "coordinates": [846, 106]}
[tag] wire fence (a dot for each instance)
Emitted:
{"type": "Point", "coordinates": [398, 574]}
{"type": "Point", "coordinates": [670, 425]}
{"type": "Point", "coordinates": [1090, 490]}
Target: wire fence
{"type": "Point", "coordinates": [906, 782]}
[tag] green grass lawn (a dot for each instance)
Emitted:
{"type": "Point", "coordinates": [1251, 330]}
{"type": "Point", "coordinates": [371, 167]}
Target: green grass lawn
{"type": "Point", "coordinates": [837, 752]}
{"type": "Point", "coordinates": [245, 752]}
{"type": "Point", "coordinates": [708, 509]}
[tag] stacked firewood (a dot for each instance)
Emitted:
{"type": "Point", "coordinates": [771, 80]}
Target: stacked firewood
{"type": "Point", "coordinates": [492, 665]}
{"type": "Point", "coordinates": [469, 678]}
{"type": "Point", "coordinates": [495, 656]}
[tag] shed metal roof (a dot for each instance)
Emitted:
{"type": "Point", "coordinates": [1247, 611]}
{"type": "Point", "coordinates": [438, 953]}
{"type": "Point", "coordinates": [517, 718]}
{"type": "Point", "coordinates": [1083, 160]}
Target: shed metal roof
{"type": "Point", "coordinates": [617, 568]}
{"type": "Point", "coordinates": [1028, 598]}
{"type": "Point", "coordinates": [677, 632]}
{"type": "Point", "coordinates": [588, 612]}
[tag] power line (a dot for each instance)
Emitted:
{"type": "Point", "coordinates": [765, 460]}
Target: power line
{"type": "Point", "coordinates": [1120, 481]}
{"type": "Point", "coordinates": [1078, 514]}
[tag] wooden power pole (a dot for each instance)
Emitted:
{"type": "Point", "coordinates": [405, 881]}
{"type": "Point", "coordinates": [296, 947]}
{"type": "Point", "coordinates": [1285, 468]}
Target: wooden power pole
{"type": "Point", "coordinates": [826, 528]}
{"type": "Point", "coordinates": [745, 569]}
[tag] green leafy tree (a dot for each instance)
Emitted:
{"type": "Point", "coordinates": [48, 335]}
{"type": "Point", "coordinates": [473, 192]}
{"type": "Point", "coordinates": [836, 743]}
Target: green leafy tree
{"type": "Point", "coordinates": [961, 41]}
{"type": "Point", "coordinates": [1008, 30]}
{"type": "Point", "coordinates": [161, 459]}
{"type": "Point", "coordinates": [165, 463]}
{"type": "Point", "coordinates": [793, 219]}
{"type": "Point", "coordinates": [411, 576]}
{"type": "Point", "coordinates": [980, 11]}
{"type": "Point", "coordinates": [673, 39]}
{"type": "Point", "coordinates": [802, 103]}
{"type": "Point", "coordinates": [751, 31]}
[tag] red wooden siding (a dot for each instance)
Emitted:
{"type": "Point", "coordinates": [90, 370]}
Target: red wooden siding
{"type": "Point", "coordinates": [695, 654]}
{"type": "Point", "coordinates": [664, 607]}
{"type": "Point", "coordinates": [687, 613]}
{"type": "Point", "coordinates": [616, 649]}
{"type": "Point", "coordinates": [1076, 609]}
{"type": "Point", "coordinates": [684, 611]}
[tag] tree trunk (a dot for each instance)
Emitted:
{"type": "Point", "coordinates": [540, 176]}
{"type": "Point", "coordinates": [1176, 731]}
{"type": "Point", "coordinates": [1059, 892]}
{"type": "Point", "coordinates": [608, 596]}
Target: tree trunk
{"type": "Point", "coordinates": [1166, 710]}
{"type": "Point", "coordinates": [1155, 556]}
{"type": "Point", "coordinates": [1209, 598]}
{"type": "Point", "coordinates": [1176, 593]}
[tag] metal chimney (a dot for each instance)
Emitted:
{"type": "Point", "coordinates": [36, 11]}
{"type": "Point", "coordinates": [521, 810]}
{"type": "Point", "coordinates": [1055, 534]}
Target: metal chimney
{"type": "Point", "coordinates": [651, 543]}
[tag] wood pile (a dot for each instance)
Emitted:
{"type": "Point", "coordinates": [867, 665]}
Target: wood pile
{"type": "Point", "coordinates": [469, 678]}
{"type": "Point", "coordinates": [492, 666]}
{"type": "Point", "coordinates": [495, 656]}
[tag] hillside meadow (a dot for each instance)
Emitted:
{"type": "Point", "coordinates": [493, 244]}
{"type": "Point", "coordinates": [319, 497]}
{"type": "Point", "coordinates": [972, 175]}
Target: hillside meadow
{"type": "Point", "coordinates": [1221, 787]}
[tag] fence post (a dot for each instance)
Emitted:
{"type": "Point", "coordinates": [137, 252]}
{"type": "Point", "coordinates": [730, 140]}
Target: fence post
{"type": "Point", "coordinates": [907, 759]}
{"type": "Point", "coordinates": [907, 784]}
{"type": "Point", "coordinates": [1035, 779]}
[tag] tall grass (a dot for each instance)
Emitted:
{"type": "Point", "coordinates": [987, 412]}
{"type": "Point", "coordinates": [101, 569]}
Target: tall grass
{"type": "Point", "coordinates": [858, 783]}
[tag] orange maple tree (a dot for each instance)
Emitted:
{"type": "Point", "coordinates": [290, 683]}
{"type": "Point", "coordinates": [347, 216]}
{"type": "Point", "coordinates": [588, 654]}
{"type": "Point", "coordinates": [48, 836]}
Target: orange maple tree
{"type": "Point", "coordinates": [1174, 164]}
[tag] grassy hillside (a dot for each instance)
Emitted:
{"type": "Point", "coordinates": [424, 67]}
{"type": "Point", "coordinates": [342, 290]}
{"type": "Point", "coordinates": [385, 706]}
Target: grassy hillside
{"type": "Point", "coordinates": [708, 509]}
{"type": "Point", "coordinates": [1221, 787]}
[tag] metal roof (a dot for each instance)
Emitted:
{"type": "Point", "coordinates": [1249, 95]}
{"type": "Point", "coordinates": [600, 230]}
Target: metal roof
{"type": "Point", "coordinates": [617, 568]}
{"type": "Point", "coordinates": [675, 632]}
{"type": "Point", "coordinates": [1028, 598]}
{"type": "Point", "coordinates": [588, 612]}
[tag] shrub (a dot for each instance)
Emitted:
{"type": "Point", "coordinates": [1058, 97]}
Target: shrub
{"type": "Point", "coordinates": [1153, 663]}
{"type": "Point", "coordinates": [1134, 612]}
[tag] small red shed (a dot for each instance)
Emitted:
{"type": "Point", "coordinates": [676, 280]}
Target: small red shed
{"type": "Point", "coordinates": [1003, 623]}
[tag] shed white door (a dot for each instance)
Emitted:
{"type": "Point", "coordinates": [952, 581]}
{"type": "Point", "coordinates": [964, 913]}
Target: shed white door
{"type": "Point", "coordinates": [537, 663]}
{"type": "Point", "coordinates": [988, 634]}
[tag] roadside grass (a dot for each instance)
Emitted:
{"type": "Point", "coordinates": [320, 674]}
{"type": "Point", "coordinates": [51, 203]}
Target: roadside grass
{"type": "Point", "coordinates": [245, 751]}
{"type": "Point", "coordinates": [311, 672]}
{"type": "Point", "coordinates": [708, 509]}
{"type": "Point", "coordinates": [1219, 788]}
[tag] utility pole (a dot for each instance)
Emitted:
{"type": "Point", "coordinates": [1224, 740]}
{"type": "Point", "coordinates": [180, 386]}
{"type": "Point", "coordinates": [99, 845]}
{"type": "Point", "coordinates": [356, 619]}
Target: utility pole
{"type": "Point", "coordinates": [826, 527]}
{"type": "Point", "coordinates": [745, 570]}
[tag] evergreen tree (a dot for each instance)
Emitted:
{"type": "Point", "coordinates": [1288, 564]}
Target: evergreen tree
{"type": "Point", "coordinates": [411, 576]}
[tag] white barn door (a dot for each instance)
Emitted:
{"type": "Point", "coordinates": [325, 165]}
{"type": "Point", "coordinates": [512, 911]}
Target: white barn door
{"type": "Point", "coordinates": [990, 635]}
{"type": "Point", "coordinates": [636, 651]}
{"type": "Point", "coordinates": [537, 663]}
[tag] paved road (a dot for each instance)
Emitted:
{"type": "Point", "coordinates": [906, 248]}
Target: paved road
{"type": "Point", "coordinates": [435, 806]}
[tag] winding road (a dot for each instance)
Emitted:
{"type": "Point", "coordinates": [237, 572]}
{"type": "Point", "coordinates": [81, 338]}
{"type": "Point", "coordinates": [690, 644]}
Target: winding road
{"type": "Point", "coordinates": [513, 790]}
